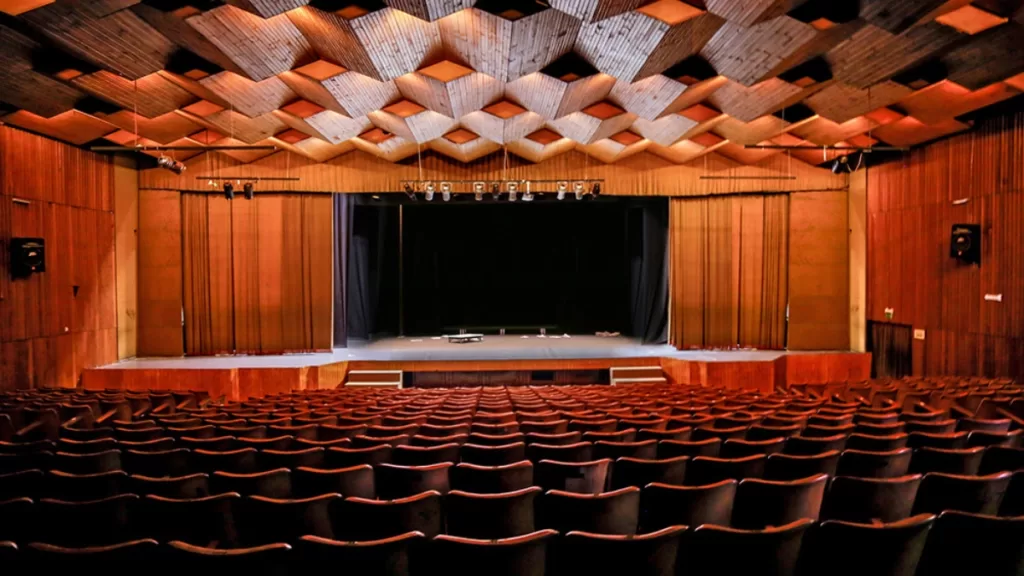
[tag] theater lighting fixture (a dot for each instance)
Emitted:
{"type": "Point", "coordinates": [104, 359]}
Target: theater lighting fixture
{"type": "Point", "coordinates": [168, 163]}
{"type": "Point", "coordinates": [527, 195]}
{"type": "Point", "coordinates": [578, 189]}
{"type": "Point", "coordinates": [229, 191]}
{"type": "Point", "coordinates": [429, 195]}
{"type": "Point", "coordinates": [562, 187]}
{"type": "Point", "coordinates": [248, 190]}
{"type": "Point", "coordinates": [595, 190]}
{"type": "Point", "coordinates": [478, 190]}
{"type": "Point", "coordinates": [176, 148]}
{"type": "Point", "coordinates": [410, 192]}
{"type": "Point", "coordinates": [513, 188]}
{"type": "Point", "coordinates": [495, 191]}
{"type": "Point", "coordinates": [839, 165]}
{"type": "Point", "coordinates": [446, 191]}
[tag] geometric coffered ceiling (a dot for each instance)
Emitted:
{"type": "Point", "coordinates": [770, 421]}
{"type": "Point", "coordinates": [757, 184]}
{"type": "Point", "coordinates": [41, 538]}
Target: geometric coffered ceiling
{"type": "Point", "coordinates": [679, 79]}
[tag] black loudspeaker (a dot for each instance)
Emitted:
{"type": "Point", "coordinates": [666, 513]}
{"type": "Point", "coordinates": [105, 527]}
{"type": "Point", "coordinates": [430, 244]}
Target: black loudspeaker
{"type": "Point", "coordinates": [965, 243]}
{"type": "Point", "coordinates": [28, 255]}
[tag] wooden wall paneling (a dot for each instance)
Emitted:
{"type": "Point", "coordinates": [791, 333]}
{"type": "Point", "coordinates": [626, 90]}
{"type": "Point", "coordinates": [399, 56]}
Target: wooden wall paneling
{"type": "Point", "coordinates": [818, 272]}
{"type": "Point", "coordinates": [246, 279]}
{"type": "Point", "coordinates": [272, 261]}
{"type": "Point", "coordinates": [160, 274]}
{"type": "Point", "coordinates": [126, 229]}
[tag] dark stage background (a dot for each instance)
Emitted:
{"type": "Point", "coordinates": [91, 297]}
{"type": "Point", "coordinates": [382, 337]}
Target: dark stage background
{"type": "Point", "coordinates": [431, 268]}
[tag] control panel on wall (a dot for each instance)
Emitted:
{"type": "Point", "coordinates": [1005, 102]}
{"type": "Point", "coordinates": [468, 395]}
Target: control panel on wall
{"type": "Point", "coordinates": [28, 256]}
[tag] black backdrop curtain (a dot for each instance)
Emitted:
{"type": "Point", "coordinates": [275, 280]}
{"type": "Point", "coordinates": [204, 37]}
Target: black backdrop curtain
{"type": "Point", "coordinates": [366, 269]}
{"type": "Point", "coordinates": [648, 269]}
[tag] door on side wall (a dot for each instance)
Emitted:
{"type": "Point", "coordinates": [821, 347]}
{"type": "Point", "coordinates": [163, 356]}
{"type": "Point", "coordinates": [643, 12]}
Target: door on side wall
{"type": "Point", "coordinates": [891, 350]}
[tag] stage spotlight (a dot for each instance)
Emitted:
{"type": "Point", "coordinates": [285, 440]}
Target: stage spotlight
{"type": "Point", "coordinates": [429, 195]}
{"type": "Point", "coordinates": [248, 190]}
{"type": "Point", "coordinates": [578, 190]}
{"type": "Point", "coordinates": [410, 192]}
{"type": "Point", "coordinates": [495, 191]}
{"type": "Point", "coordinates": [478, 190]}
{"type": "Point", "coordinates": [513, 189]}
{"type": "Point", "coordinates": [168, 163]}
{"type": "Point", "coordinates": [229, 191]}
{"type": "Point", "coordinates": [562, 187]}
{"type": "Point", "coordinates": [839, 164]}
{"type": "Point", "coordinates": [596, 189]}
{"type": "Point", "coordinates": [446, 191]}
{"type": "Point", "coordinates": [527, 195]}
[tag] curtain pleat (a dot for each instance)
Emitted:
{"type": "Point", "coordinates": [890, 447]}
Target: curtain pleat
{"type": "Point", "coordinates": [728, 270]}
{"type": "Point", "coordinates": [258, 276]}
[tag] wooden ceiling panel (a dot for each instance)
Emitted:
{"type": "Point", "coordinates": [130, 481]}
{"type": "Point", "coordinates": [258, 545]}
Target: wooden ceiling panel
{"type": "Point", "coordinates": [71, 126]}
{"type": "Point", "coordinates": [336, 88]}
{"type": "Point", "coordinates": [541, 145]}
{"type": "Point", "coordinates": [173, 26]}
{"type": "Point", "coordinates": [553, 97]}
{"type": "Point", "coordinates": [260, 47]}
{"type": "Point", "coordinates": [821, 131]}
{"type": "Point", "coordinates": [946, 100]}
{"type": "Point", "coordinates": [665, 130]}
{"type": "Point", "coordinates": [465, 151]}
{"type": "Point", "coordinates": [315, 149]}
{"type": "Point", "coordinates": [754, 132]}
{"type": "Point", "coordinates": [392, 149]}
{"type": "Point", "coordinates": [635, 45]}
{"type": "Point", "coordinates": [910, 131]}
{"type": "Point", "coordinates": [988, 57]}
{"type": "Point", "coordinates": [841, 102]}
{"type": "Point", "coordinates": [161, 129]}
{"type": "Point", "coordinates": [37, 93]}
{"type": "Point", "coordinates": [896, 17]}
{"type": "Point", "coordinates": [247, 96]}
{"type": "Point", "coordinates": [658, 95]}
{"type": "Point", "coordinates": [873, 54]}
{"type": "Point", "coordinates": [239, 126]}
{"type": "Point", "coordinates": [15, 7]}
{"type": "Point", "coordinates": [600, 122]}
{"type": "Point", "coordinates": [750, 103]}
{"type": "Point", "coordinates": [326, 125]}
{"type": "Point", "coordinates": [151, 96]}
{"type": "Point", "coordinates": [503, 128]}
{"type": "Point", "coordinates": [595, 10]}
{"type": "Point", "coordinates": [429, 10]}
{"type": "Point", "coordinates": [743, 155]}
{"type": "Point", "coordinates": [245, 156]}
{"type": "Point", "coordinates": [121, 42]}
{"type": "Point", "coordinates": [449, 88]}
{"type": "Point", "coordinates": [507, 49]}
{"type": "Point", "coordinates": [688, 150]}
{"type": "Point", "coordinates": [750, 55]}
{"type": "Point", "coordinates": [610, 150]}
{"type": "Point", "coordinates": [417, 125]}
{"type": "Point", "coordinates": [267, 8]}
{"type": "Point", "coordinates": [383, 44]}
{"type": "Point", "coordinates": [751, 12]}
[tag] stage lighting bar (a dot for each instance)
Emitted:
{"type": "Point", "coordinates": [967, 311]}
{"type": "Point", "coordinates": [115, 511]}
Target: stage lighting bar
{"type": "Point", "coordinates": [812, 147]}
{"type": "Point", "coordinates": [526, 189]}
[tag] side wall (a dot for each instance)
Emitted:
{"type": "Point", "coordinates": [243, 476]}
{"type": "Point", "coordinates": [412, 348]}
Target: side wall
{"type": "Point", "coordinates": [912, 205]}
{"type": "Point", "coordinates": [58, 322]}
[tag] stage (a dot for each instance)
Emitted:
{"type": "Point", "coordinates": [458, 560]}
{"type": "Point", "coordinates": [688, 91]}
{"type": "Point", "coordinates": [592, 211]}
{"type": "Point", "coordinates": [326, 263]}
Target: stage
{"type": "Point", "coordinates": [556, 359]}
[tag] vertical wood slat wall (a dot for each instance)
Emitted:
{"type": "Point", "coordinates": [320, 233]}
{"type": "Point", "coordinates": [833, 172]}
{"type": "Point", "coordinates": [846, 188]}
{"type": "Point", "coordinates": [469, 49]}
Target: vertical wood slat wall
{"type": "Point", "coordinates": [911, 213]}
{"type": "Point", "coordinates": [48, 333]}
{"type": "Point", "coordinates": [257, 274]}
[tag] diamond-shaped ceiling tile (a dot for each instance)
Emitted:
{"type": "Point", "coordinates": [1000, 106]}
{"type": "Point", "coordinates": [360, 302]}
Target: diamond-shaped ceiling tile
{"type": "Point", "coordinates": [383, 44]}
{"type": "Point", "coordinates": [161, 129]}
{"type": "Point", "coordinates": [151, 95]}
{"type": "Point", "coordinates": [595, 10]}
{"type": "Point", "coordinates": [313, 148]}
{"type": "Point", "coordinates": [449, 88]}
{"type": "Point", "coordinates": [540, 145]}
{"type": "Point", "coordinates": [753, 132]}
{"type": "Point", "coordinates": [658, 95]}
{"type": "Point", "coordinates": [171, 24]}
{"type": "Point", "coordinates": [768, 49]}
{"type": "Point", "coordinates": [872, 55]}
{"type": "Point", "coordinates": [429, 10]}
{"type": "Point", "coordinates": [841, 102]}
{"type": "Point", "coordinates": [463, 145]}
{"type": "Point", "coordinates": [504, 44]}
{"type": "Point", "coordinates": [246, 96]}
{"type": "Point", "coordinates": [267, 8]}
{"type": "Point", "coordinates": [987, 58]}
{"type": "Point", "coordinates": [385, 145]}
{"type": "Point", "coordinates": [236, 125]}
{"type": "Point", "coordinates": [71, 126]}
{"type": "Point", "coordinates": [750, 103]}
{"type": "Point", "coordinates": [946, 100]}
{"type": "Point", "coordinates": [647, 40]}
{"type": "Point", "coordinates": [750, 12]}
{"type": "Point", "coordinates": [971, 19]}
{"type": "Point", "coordinates": [412, 122]}
{"type": "Point", "coordinates": [320, 122]}
{"type": "Point", "coordinates": [688, 150]}
{"type": "Point", "coordinates": [594, 122]}
{"type": "Point", "coordinates": [261, 47]}
{"type": "Point", "coordinates": [616, 147]}
{"type": "Point", "coordinates": [820, 131]}
{"type": "Point", "coordinates": [688, 123]}
{"type": "Point", "coordinates": [910, 131]}
{"type": "Point", "coordinates": [245, 156]}
{"type": "Point", "coordinates": [13, 8]}
{"type": "Point", "coordinates": [567, 85]}
{"type": "Point", "coordinates": [336, 88]}
{"type": "Point", "coordinates": [503, 122]}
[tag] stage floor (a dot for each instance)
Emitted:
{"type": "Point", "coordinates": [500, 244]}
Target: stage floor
{"type": "Point", "coordinates": [440, 350]}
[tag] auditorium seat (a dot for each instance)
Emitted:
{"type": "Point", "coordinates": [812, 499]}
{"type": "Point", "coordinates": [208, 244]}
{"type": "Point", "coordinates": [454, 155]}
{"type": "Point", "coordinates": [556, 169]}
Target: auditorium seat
{"type": "Point", "coordinates": [278, 443]}
{"type": "Point", "coordinates": [121, 558]}
{"type": "Point", "coordinates": [203, 521]}
{"type": "Point", "coordinates": [386, 557]}
{"type": "Point", "coordinates": [652, 554]}
{"type": "Point", "coordinates": [943, 426]}
{"type": "Point", "coordinates": [269, 560]}
{"type": "Point", "coordinates": [87, 463]}
{"type": "Point", "coordinates": [969, 424]}
{"type": "Point", "coordinates": [679, 433]}
{"type": "Point", "coordinates": [493, 455]}
{"type": "Point", "coordinates": [871, 464]}
{"type": "Point", "coordinates": [26, 483]}
{"type": "Point", "coordinates": [973, 494]}
{"type": "Point", "coordinates": [212, 443]}
{"type": "Point", "coordinates": [776, 550]}
{"type": "Point", "coordinates": [1009, 438]}
{"type": "Point", "coordinates": [495, 439]}
{"type": "Point", "coordinates": [363, 441]}
{"type": "Point", "coordinates": [495, 429]}
{"type": "Point", "coordinates": [1002, 458]}
{"type": "Point", "coordinates": [93, 523]}
{"type": "Point", "coordinates": [627, 435]}
{"type": "Point", "coordinates": [581, 477]}
{"type": "Point", "coordinates": [341, 457]}
{"type": "Point", "coordinates": [691, 448]}
{"type": "Point", "coordinates": [179, 432]}
{"type": "Point", "coordinates": [645, 449]}
{"type": "Point", "coordinates": [442, 430]}
{"type": "Point", "coordinates": [664, 505]}
{"type": "Point", "coordinates": [806, 446]}
{"type": "Point", "coordinates": [855, 549]}
{"type": "Point", "coordinates": [395, 481]}
{"type": "Point", "coordinates": [963, 543]}
{"type": "Point", "coordinates": [736, 448]}
{"type": "Point", "coordinates": [605, 425]}
{"type": "Point", "coordinates": [335, 432]}
{"type": "Point", "coordinates": [351, 481]}
{"type": "Point", "coordinates": [616, 512]}
{"type": "Point", "coordinates": [964, 461]}
{"type": "Point", "coordinates": [70, 446]}
{"type": "Point", "coordinates": [759, 432]}
{"type": "Point", "coordinates": [550, 439]}
{"type": "Point", "coordinates": [708, 470]}
{"type": "Point", "coordinates": [190, 486]}
{"type": "Point", "coordinates": [19, 520]}
{"type": "Point", "coordinates": [518, 556]}
{"type": "Point", "coordinates": [425, 455]}
{"type": "Point", "coordinates": [365, 519]}
{"type": "Point", "coordinates": [269, 520]}
{"type": "Point", "coordinates": [276, 483]}
{"type": "Point", "coordinates": [579, 452]}
{"type": "Point", "coordinates": [491, 516]}
{"type": "Point", "coordinates": [242, 461]}
{"type": "Point", "coordinates": [382, 431]}
{"type": "Point", "coordinates": [826, 431]}
{"type": "Point", "coordinates": [418, 440]}
{"type": "Point", "coordinates": [84, 487]}
{"type": "Point", "coordinates": [761, 503]}
{"type": "Point", "coordinates": [872, 443]}
{"type": "Point", "coordinates": [640, 472]}
{"type": "Point", "coordinates": [544, 426]}
{"type": "Point", "coordinates": [492, 479]}
{"type": "Point", "coordinates": [865, 500]}
{"type": "Point", "coordinates": [937, 440]}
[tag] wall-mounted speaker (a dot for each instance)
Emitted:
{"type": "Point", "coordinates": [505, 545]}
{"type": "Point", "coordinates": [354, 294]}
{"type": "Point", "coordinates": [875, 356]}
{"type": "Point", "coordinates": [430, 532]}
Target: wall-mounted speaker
{"type": "Point", "coordinates": [965, 243]}
{"type": "Point", "coordinates": [28, 255]}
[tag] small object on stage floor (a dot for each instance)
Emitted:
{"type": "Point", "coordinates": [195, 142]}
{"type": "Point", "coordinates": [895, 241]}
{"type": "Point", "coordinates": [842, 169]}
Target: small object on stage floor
{"type": "Point", "coordinates": [464, 338]}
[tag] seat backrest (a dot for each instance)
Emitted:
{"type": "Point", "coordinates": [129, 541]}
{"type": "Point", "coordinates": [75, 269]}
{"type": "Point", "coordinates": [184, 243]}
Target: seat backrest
{"type": "Point", "coordinates": [581, 477]}
{"type": "Point", "coordinates": [966, 461]}
{"type": "Point", "coordinates": [363, 557]}
{"type": "Point", "coordinates": [52, 559]}
{"type": "Point", "coordinates": [492, 479]}
{"type": "Point", "coordinates": [973, 494]}
{"type": "Point", "coordinates": [872, 464]}
{"type": "Point", "coordinates": [203, 521]}
{"type": "Point", "coordinates": [963, 543]}
{"type": "Point", "coordinates": [425, 455]}
{"type": "Point", "coordinates": [518, 556]}
{"type": "Point", "coordinates": [652, 554]}
{"type": "Point", "coordinates": [762, 503]}
{"type": "Point", "coordinates": [691, 448]}
{"type": "Point", "coordinates": [87, 462]}
{"type": "Point", "coordinates": [268, 520]}
{"type": "Point", "coordinates": [664, 505]}
{"type": "Point", "coordinates": [182, 487]}
{"type": "Point", "coordinates": [579, 452]}
{"type": "Point", "coordinates": [269, 560]}
{"type": "Point", "coordinates": [491, 516]}
{"type": "Point", "coordinates": [271, 483]}
{"type": "Point", "coordinates": [803, 445]}
{"type": "Point", "coordinates": [776, 550]}
{"type": "Point", "coordinates": [351, 481]}
{"type": "Point", "coordinates": [616, 512]}
{"type": "Point", "coordinates": [640, 472]}
{"type": "Point", "coordinates": [364, 519]}
{"type": "Point", "coordinates": [867, 499]}
{"type": "Point", "coordinates": [85, 487]}
{"type": "Point", "coordinates": [708, 470]}
{"type": "Point", "coordinates": [795, 466]}
{"type": "Point", "coordinates": [395, 481]}
{"type": "Point", "coordinates": [93, 523]}
{"type": "Point", "coordinates": [341, 457]}
{"type": "Point", "coordinates": [854, 549]}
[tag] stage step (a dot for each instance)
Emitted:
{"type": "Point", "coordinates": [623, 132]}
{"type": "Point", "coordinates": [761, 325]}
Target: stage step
{"type": "Point", "coordinates": [637, 375]}
{"type": "Point", "coordinates": [377, 378]}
